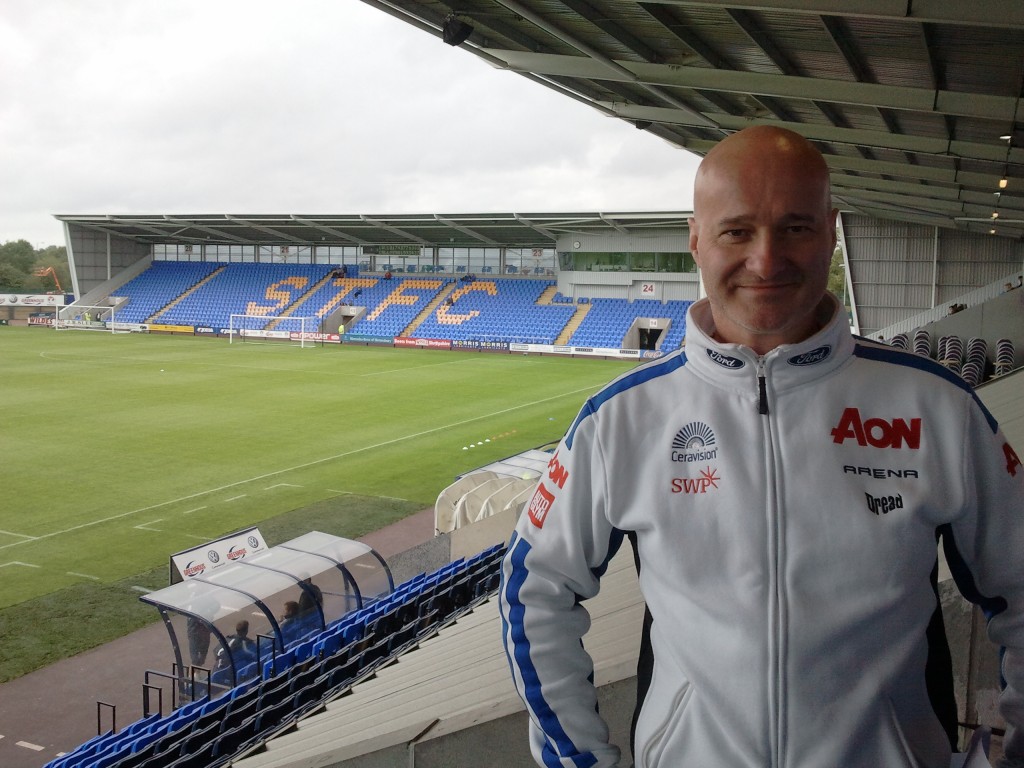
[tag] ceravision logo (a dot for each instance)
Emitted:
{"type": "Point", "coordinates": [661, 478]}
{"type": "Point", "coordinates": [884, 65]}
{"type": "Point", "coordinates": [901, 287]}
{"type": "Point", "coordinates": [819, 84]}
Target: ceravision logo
{"type": "Point", "coordinates": [877, 433]}
{"type": "Point", "coordinates": [883, 505]}
{"type": "Point", "coordinates": [694, 442]}
{"type": "Point", "coordinates": [813, 357]}
{"type": "Point", "coordinates": [724, 360]}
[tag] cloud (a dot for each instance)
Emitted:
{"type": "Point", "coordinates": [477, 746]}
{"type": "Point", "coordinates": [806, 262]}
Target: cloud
{"type": "Point", "coordinates": [315, 106]}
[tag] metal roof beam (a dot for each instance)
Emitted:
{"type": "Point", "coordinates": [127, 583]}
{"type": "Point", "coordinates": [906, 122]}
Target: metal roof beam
{"type": "Point", "coordinates": [329, 230]}
{"type": "Point", "coordinates": [1003, 108]}
{"type": "Point", "coordinates": [395, 230]}
{"type": "Point", "coordinates": [466, 230]}
{"type": "Point", "coordinates": [991, 13]}
{"type": "Point", "coordinates": [601, 60]}
{"type": "Point", "coordinates": [996, 153]}
{"type": "Point", "coordinates": [220, 234]}
{"type": "Point", "coordinates": [268, 230]}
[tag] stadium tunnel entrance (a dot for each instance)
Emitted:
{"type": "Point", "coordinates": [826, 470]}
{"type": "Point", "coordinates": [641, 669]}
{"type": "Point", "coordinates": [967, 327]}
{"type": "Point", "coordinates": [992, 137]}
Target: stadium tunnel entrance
{"type": "Point", "coordinates": [228, 625]}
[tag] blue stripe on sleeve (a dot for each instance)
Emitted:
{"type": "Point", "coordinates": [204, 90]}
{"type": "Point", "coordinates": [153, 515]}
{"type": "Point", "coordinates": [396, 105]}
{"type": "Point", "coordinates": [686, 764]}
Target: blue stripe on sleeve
{"type": "Point", "coordinates": [557, 741]}
{"type": "Point", "coordinates": [918, 362]}
{"type": "Point", "coordinates": [639, 376]}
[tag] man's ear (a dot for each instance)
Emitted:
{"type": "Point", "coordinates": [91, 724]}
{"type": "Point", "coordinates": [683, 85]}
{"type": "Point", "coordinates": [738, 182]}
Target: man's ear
{"type": "Point", "coordinates": [694, 235]}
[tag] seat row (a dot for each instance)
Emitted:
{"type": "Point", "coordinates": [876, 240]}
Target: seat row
{"type": "Point", "coordinates": [208, 732]}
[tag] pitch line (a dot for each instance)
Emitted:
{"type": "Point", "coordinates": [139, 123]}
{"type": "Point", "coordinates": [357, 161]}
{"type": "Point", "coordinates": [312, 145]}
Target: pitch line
{"type": "Point", "coordinates": [297, 467]}
{"type": "Point", "coordinates": [17, 562]}
{"type": "Point", "coordinates": [19, 535]}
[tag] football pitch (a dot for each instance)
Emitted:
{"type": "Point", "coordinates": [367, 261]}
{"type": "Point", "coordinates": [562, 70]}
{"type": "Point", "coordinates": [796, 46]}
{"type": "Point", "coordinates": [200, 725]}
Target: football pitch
{"type": "Point", "coordinates": [118, 450]}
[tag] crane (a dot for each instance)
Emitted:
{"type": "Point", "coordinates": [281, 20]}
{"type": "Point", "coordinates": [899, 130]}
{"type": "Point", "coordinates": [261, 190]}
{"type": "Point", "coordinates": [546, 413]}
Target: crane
{"type": "Point", "coordinates": [44, 271]}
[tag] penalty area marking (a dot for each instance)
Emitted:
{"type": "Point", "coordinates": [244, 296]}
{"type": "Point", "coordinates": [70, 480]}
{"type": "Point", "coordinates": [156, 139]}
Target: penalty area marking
{"type": "Point", "coordinates": [145, 526]}
{"type": "Point", "coordinates": [281, 485]}
{"type": "Point", "coordinates": [196, 509]}
{"type": "Point", "coordinates": [19, 535]}
{"type": "Point", "coordinates": [306, 465]}
{"type": "Point", "coordinates": [84, 576]}
{"type": "Point", "coordinates": [18, 562]}
{"type": "Point", "coordinates": [236, 498]}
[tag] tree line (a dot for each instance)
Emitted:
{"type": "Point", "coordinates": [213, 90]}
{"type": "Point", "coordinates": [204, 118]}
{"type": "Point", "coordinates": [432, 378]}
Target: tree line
{"type": "Point", "coordinates": [24, 269]}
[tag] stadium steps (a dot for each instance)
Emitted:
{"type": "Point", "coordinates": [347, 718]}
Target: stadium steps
{"type": "Point", "coordinates": [574, 323]}
{"type": "Point", "coordinates": [454, 685]}
{"type": "Point", "coordinates": [181, 297]}
{"type": "Point", "coordinates": [548, 294]}
{"type": "Point", "coordinates": [410, 329]}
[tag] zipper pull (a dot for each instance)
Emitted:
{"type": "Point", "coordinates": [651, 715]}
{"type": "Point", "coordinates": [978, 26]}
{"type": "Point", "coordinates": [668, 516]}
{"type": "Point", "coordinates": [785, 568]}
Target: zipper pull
{"type": "Point", "coordinates": [762, 389]}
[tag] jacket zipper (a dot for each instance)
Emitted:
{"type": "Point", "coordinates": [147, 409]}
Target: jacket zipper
{"type": "Point", "coordinates": [774, 554]}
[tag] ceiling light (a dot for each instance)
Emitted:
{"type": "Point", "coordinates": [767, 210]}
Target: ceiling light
{"type": "Point", "coordinates": [995, 214]}
{"type": "Point", "coordinates": [1006, 137]}
{"type": "Point", "coordinates": [991, 231]}
{"type": "Point", "coordinates": [1002, 183]}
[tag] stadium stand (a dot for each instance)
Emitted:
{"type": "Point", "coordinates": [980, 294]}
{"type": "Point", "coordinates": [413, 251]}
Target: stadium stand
{"type": "Point", "coordinates": [208, 732]}
{"type": "Point", "coordinates": [499, 309]}
{"type": "Point", "coordinates": [505, 310]}
{"type": "Point", "coordinates": [159, 285]}
{"type": "Point", "coordinates": [975, 362]}
{"type": "Point", "coordinates": [253, 289]}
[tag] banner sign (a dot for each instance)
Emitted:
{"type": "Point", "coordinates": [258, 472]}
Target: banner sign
{"type": "Point", "coordinates": [130, 327]}
{"type": "Point", "coordinates": [206, 330]}
{"type": "Point", "coordinates": [37, 320]}
{"type": "Point", "coordinates": [33, 299]}
{"type": "Point", "coordinates": [333, 338]}
{"type": "Point", "coordinates": [159, 327]}
{"type": "Point", "coordinates": [207, 558]}
{"type": "Point", "coordinates": [480, 346]}
{"type": "Point", "coordinates": [366, 338]}
{"type": "Point", "coordinates": [255, 333]}
{"type": "Point", "coordinates": [407, 341]}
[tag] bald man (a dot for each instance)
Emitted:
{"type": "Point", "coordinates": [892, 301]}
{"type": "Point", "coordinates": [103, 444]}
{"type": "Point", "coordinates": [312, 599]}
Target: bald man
{"type": "Point", "coordinates": [783, 485]}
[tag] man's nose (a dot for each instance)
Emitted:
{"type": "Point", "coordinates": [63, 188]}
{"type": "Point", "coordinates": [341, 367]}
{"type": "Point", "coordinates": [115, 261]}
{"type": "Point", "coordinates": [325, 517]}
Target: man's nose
{"type": "Point", "coordinates": [766, 257]}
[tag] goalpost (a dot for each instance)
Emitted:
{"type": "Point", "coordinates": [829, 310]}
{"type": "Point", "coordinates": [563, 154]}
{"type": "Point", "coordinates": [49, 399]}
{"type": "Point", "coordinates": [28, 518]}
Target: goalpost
{"type": "Point", "coordinates": [301, 331]}
{"type": "Point", "coordinates": [82, 317]}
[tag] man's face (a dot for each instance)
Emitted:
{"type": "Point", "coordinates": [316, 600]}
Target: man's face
{"type": "Point", "coordinates": [763, 235]}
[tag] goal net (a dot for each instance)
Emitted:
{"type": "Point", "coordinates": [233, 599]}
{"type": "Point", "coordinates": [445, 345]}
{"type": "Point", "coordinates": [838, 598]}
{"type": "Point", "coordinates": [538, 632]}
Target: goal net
{"type": "Point", "coordinates": [300, 331]}
{"type": "Point", "coordinates": [82, 317]}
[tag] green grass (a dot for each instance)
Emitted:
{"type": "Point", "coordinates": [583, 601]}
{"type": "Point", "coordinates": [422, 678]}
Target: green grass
{"type": "Point", "coordinates": [118, 450]}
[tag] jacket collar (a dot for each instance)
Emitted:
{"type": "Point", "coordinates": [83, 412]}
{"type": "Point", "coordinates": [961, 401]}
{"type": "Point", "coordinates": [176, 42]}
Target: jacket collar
{"type": "Point", "coordinates": [788, 364]}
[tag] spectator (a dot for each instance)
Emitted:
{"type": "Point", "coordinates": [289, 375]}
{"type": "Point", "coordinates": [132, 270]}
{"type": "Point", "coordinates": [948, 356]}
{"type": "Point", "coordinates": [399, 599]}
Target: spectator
{"type": "Point", "coordinates": [783, 485]}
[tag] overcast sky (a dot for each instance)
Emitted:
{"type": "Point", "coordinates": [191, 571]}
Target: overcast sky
{"type": "Point", "coordinates": [307, 106]}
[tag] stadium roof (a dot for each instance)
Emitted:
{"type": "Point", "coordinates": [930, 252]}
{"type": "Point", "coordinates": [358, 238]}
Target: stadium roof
{"type": "Point", "coordinates": [526, 230]}
{"type": "Point", "coordinates": [915, 103]}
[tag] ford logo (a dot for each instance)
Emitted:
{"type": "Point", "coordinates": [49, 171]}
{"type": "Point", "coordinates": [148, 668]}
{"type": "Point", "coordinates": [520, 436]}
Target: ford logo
{"type": "Point", "coordinates": [725, 361]}
{"type": "Point", "coordinates": [813, 357]}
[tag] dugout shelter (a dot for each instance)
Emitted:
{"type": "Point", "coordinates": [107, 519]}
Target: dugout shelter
{"type": "Point", "coordinates": [283, 594]}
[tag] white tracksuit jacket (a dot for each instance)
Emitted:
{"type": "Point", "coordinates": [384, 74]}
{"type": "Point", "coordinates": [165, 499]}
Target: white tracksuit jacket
{"type": "Point", "coordinates": [785, 511]}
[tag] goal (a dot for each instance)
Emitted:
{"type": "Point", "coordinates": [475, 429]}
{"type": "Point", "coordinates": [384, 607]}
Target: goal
{"type": "Point", "coordinates": [300, 331]}
{"type": "Point", "coordinates": [82, 317]}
